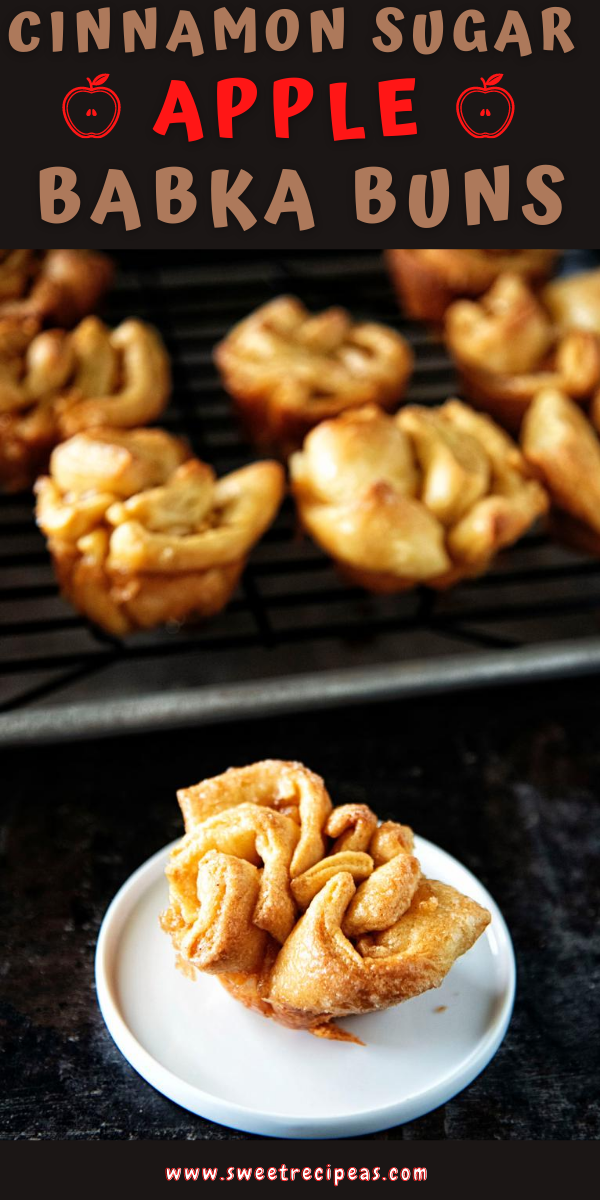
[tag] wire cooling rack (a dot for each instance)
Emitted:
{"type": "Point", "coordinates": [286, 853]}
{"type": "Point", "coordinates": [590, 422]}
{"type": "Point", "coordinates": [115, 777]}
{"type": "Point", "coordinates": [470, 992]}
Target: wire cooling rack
{"type": "Point", "coordinates": [295, 635]}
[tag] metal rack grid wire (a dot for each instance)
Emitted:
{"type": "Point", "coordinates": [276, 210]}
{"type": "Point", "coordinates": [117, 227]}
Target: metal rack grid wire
{"type": "Point", "coordinates": [295, 634]}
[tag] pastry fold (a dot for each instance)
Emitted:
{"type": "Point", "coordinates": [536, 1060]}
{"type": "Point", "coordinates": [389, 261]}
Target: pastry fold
{"type": "Point", "coordinates": [427, 281]}
{"type": "Point", "coordinates": [573, 301]}
{"type": "Point", "coordinates": [141, 533]}
{"type": "Point", "coordinates": [287, 369]}
{"type": "Point", "coordinates": [428, 496]}
{"type": "Point", "coordinates": [507, 347]}
{"type": "Point", "coordinates": [51, 286]}
{"type": "Point", "coordinates": [55, 383]}
{"type": "Point", "coordinates": [563, 447]}
{"type": "Point", "coordinates": [356, 931]}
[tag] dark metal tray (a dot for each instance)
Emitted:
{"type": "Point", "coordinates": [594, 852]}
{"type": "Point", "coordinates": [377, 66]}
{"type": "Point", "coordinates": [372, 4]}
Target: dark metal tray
{"type": "Point", "coordinates": [295, 635]}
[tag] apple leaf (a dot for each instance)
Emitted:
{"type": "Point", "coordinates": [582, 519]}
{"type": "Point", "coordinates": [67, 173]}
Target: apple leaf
{"type": "Point", "coordinates": [492, 81]}
{"type": "Point", "coordinates": [100, 79]}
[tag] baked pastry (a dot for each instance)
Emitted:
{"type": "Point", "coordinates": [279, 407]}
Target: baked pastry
{"type": "Point", "coordinates": [286, 369]}
{"type": "Point", "coordinates": [507, 348]}
{"type": "Point", "coordinates": [427, 281]}
{"type": "Point", "coordinates": [564, 448]}
{"type": "Point", "coordinates": [56, 287]}
{"type": "Point", "coordinates": [428, 496]}
{"type": "Point", "coordinates": [573, 301]}
{"type": "Point", "coordinates": [141, 533]}
{"type": "Point", "coordinates": [54, 383]}
{"type": "Point", "coordinates": [305, 912]}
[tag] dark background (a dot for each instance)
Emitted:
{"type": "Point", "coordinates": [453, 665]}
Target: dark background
{"type": "Point", "coordinates": [506, 781]}
{"type": "Point", "coordinates": [555, 122]}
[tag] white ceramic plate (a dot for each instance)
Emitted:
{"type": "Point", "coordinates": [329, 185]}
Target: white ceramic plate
{"type": "Point", "coordinates": [205, 1051]}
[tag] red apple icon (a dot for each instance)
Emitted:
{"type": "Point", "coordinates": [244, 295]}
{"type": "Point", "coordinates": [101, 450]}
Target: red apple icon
{"type": "Point", "coordinates": [496, 114]}
{"type": "Point", "coordinates": [91, 112]}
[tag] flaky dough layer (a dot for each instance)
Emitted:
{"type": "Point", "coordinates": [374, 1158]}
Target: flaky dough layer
{"type": "Point", "coordinates": [507, 347]}
{"type": "Point", "coordinates": [141, 533]}
{"type": "Point", "coordinates": [427, 281]}
{"type": "Point", "coordinates": [563, 447]}
{"type": "Point", "coordinates": [307, 913]}
{"type": "Point", "coordinates": [287, 369]}
{"type": "Point", "coordinates": [55, 383]}
{"type": "Point", "coordinates": [428, 496]}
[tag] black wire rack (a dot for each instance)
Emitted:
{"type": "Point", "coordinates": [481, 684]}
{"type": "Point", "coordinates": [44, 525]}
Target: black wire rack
{"type": "Point", "coordinates": [295, 634]}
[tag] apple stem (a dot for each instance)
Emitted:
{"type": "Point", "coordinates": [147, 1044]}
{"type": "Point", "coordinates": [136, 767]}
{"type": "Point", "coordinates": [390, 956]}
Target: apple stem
{"type": "Point", "coordinates": [484, 81]}
{"type": "Point", "coordinates": [90, 82]}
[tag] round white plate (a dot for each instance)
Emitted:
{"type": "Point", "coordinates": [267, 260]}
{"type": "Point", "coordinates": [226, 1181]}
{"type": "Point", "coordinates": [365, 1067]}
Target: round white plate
{"type": "Point", "coordinates": [205, 1051]}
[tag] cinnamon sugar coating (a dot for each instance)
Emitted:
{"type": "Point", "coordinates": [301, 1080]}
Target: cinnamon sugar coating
{"type": "Point", "coordinates": [296, 927]}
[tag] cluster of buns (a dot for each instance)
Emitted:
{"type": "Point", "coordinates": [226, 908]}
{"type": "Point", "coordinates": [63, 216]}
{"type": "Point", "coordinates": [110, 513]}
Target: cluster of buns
{"type": "Point", "coordinates": [532, 359]}
{"type": "Point", "coordinates": [62, 370]}
{"type": "Point", "coordinates": [428, 495]}
{"type": "Point", "coordinates": [142, 533]}
{"type": "Point", "coordinates": [305, 912]}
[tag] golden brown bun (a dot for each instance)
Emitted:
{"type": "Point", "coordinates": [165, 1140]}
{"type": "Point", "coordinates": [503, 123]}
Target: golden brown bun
{"type": "Point", "coordinates": [507, 348]}
{"type": "Point", "coordinates": [563, 447]}
{"type": "Point", "coordinates": [427, 281]}
{"type": "Point", "coordinates": [307, 913]}
{"type": "Point", "coordinates": [54, 383]}
{"type": "Point", "coordinates": [52, 286]}
{"type": "Point", "coordinates": [574, 301]}
{"type": "Point", "coordinates": [286, 369]}
{"type": "Point", "coordinates": [428, 496]}
{"type": "Point", "coordinates": [142, 534]}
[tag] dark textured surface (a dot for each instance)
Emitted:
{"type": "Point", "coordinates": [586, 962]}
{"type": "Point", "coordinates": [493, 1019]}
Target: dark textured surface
{"type": "Point", "coordinates": [508, 782]}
